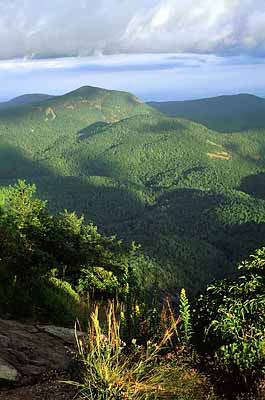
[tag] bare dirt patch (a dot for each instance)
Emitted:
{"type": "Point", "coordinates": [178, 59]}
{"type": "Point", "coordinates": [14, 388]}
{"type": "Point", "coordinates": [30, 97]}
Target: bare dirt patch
{"type": "Point", "coordinates": [214, 144]}
{"type": "Point", "coordinates": [221, 155]}
{"type": "Point", "coordinates": [94, 103]}
{"type": "Point", "coordinates": [50, 114]}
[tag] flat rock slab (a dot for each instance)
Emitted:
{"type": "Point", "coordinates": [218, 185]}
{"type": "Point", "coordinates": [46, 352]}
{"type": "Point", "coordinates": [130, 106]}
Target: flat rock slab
{"type": "Point", "coordinates": [27, 351]}
{"type": "Point", "coordinates": [65, 334]}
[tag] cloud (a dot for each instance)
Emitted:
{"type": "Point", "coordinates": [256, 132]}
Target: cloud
{"type": "Point", "coordinates": [111, 63]}
{"type": "Point", "coordinates": [57, 28]}
{"type": "Point", "coordinates": [150, 76]}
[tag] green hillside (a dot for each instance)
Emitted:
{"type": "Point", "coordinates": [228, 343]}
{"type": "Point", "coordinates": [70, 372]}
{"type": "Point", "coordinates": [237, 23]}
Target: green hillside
{"type": "Point", "coordinates": [189, 195]}
{"type": "Point", "coordinates": [223, 113]}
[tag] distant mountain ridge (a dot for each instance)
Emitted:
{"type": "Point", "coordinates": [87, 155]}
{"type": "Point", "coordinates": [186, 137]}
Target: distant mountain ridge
{"type": "Point", "coordinates": [26, 99]}
{"type": "Point", "coordinates": [231, 113]}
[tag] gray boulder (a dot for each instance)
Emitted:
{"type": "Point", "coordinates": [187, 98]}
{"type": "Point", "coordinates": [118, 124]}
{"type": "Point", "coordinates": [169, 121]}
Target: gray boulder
{"type": "Point", "coordinates": [27, 351]}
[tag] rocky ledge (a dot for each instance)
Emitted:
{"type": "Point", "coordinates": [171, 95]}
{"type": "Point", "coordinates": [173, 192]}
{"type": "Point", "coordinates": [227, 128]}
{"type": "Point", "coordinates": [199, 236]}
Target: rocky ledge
{"type": "Point", "coordinates": [29, 351]}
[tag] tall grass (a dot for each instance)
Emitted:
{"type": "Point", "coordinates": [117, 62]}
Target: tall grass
{"type": "Point", "coordinates": [115, 370]}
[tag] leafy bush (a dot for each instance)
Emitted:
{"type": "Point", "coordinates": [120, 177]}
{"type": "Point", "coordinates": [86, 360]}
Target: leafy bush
{"type": "Point", "coordinates": [232, 316]}
{"type": "Point", "coordinates": [59, 302]}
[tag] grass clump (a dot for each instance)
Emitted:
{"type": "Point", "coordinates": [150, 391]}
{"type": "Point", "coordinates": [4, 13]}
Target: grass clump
{"type": "Point", "coordinates": [115, 370]}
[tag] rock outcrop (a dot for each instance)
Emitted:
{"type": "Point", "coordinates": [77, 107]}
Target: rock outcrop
{"type": "Point", "coordinates": [28, 351]}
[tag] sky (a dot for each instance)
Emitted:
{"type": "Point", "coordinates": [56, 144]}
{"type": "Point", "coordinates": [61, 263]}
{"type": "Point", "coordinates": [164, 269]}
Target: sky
{"type": "Point", "coordinates": [157, 49]}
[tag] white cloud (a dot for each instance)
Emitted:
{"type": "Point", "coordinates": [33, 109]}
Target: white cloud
{"type": "Point", "coordinates": [87, 27]}
{"type": "Point", "coordinates": [112, 62]}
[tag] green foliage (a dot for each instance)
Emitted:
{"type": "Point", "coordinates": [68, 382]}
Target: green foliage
{"type": "Point", "coordinates": [58, 302]}
{"type": "Point", "coordinates": [232, 314]}
{"type": "Point", "coordinates": [34, 244]}
{"type": "Point", "coordinates": [99, 280]}
{"type": "Point", "coordinates": [21, 259]}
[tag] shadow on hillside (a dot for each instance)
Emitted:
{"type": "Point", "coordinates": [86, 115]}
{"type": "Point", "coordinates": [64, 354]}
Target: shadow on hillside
{"type": "Point", "coordinates": [165, 125]}
{"type": "Point", "coordinates": [102, 201]}
{"type": "Point", "coordinates": [233, 147]}
{"type": "Point", "coordinates": [177, 233]}
{"type": "Point", "coordinates": [91, 130]}
{"type": "Point", "coordinates": [254, 185]}
{"type": "Point", "coordinates": [183, 232]}
{"type": "Point", "coordinates": [16, 114]}
{"type": "Point", "coordinates": [240, 240]}
{"type": "Point", "coordinates": [14, 164]}
{"type": "Point", "coordinates": [99, 166]}
{"type": "Point", "coordinates": [154, 182]}
{"type": "Point", "coordinates": [221, 115]}
{"type": "Point", "coordinates": [223, 124]}
{"type": "Point", "coordinates": [97, 196]}
{"type": "Point", "coordinates": [194, 213]}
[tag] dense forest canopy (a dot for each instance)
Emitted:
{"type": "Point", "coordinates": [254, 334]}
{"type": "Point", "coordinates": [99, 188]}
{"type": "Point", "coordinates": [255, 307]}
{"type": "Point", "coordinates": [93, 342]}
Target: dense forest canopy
{"type": "Point", "coordinates": [189, 195]}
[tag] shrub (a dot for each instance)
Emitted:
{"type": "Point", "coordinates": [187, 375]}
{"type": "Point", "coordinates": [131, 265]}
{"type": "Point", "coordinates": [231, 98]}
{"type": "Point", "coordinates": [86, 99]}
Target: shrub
{"type": "Point", "coordinates": [59, 302]}
{"type": "Point", "coordinates": [98, 281]}
{"type": "Point", "coordinates": [232, 316]}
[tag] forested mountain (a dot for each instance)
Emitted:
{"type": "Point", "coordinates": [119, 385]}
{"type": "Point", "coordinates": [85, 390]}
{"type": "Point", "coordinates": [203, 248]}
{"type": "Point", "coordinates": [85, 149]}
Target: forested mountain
{"type": "Point", "coordinates": [222, 113]}
{"type": "Point", "coordinates": [25, 99]}
{"type": "Point", "coordinates": [191, 196]}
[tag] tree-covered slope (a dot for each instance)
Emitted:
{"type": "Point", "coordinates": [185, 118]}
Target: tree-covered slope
{"type": "Point", "coordinates": [222, 113]}
{"type": "Point", "coordinates": [37, 128]}
{"type": "Point", "coordinates": [186, 193]}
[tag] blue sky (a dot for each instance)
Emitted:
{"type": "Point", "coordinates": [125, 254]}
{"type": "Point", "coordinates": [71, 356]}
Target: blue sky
{"type": "Point", "coordinates": [157, 49]}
